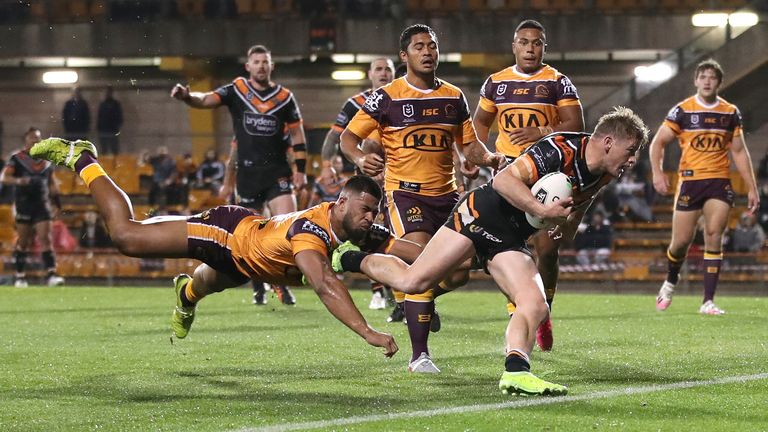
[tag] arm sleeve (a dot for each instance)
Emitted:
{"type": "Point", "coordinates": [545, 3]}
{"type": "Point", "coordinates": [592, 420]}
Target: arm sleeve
{"type": "Point", "coordinates": [305, 235]}
{"type": "Point", "coordinates": [346, 114]}
{"type": "Point", "coordinates": [225, 94]}
{"type": "Point", "coordinates": [293, 117]}
{"type": "Point", "coordinates": [543, 158]}
{"type": "Point", "coordinates": [371, 116]}
{"type": "Point", "coordinates": [467, 134]}
{"type": "Point", "coordinates": [566, 92]}
{"type": "Point", "coordinates": [486, 96]}
{"type": "Point", "coordinates": [674, 119]}
{"type": "Point", "coordinates": [737, 123]}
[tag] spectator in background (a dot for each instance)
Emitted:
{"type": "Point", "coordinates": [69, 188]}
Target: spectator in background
{"type": "Point", "coordinates": [93, 233]}
{"type": "Point", "coordinates": [76, 116]}
{"type": "Point", "coordinates": [630, 192]}
{"type": "Point", "coordinates": [187, 175]}
{"type": "Point", "coordinates": [164, 176]}
{"type": "Point", "coordinates": [748, 235]}
{"type": "Point", "coordinates": [762, 211]}
{"type": "Point", "coordinates": [109, 123]}
{"type": "Point", "coordinates": [594, 241]}
{"type": "Point", "coordinates": [329, 184]}
{"type": "Point", "coordinates": [210, 174]}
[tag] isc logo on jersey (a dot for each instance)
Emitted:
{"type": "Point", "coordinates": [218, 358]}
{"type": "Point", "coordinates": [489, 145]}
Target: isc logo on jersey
{"type": "Point", "coordinates": [260, 124]}
{"type": "Point", "coordinates": [428, 139]}
{"type": "Point", "coordinates": [518, 117]}
{"type": "Point", "coordinates": [550, 188]}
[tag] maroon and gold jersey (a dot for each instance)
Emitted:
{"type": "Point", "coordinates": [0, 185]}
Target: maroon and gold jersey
{"type": "Point", "coordinates": [265, 249]}
{"type": "Point", "coordinates": [705, 133]}
{"type": "Point", "coordinates": [418, 129]}
{"type": "Point", "coordinates": [522, 100]}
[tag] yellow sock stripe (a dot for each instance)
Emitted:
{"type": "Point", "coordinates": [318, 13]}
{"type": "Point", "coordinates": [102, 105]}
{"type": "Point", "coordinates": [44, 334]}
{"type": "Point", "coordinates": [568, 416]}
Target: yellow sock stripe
{"type": "Point", "coordinates": [91, 173]}
{"type": "Point", "coordinates": [673, 258]}
{"type": "Point", "coordinates": [424, 297]}
{"type": "Point", "coordinates": [550, 292]}
{"type": "Point", "coordinates": [713, 255]}
{"type": "Point", "coordinates": [190, 293]}
{"type": "Point", "coordinates": [511, 308]}
{"type": "Point", "coordinates": [399, 296]}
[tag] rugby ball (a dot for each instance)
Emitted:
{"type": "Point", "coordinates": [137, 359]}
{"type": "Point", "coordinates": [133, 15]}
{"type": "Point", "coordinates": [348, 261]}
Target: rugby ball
{"type": "Point", "coordinates": [548, 189]}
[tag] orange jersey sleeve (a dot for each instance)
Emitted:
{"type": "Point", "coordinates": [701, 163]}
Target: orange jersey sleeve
{"type": "Point", "coordinates": [265, 248]}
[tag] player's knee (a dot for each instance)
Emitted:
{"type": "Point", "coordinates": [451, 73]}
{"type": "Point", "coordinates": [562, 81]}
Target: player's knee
{"type": "Point", "coordinates": [415, 284]}
{"type": "Point", "coordinates": [457, 279]}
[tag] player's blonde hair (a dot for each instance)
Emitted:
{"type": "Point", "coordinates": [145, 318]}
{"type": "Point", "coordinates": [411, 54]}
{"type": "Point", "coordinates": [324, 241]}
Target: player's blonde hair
{"type": "Point", "coordinates": [623, 122]}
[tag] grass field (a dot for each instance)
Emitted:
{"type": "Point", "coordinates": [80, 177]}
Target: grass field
{"type": "Point", "coordinates": [101, 359]}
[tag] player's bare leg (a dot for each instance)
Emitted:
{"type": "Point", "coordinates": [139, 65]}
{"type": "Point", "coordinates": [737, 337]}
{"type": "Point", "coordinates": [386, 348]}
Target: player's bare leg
{"type": "Point", "coordinates": [516, 275]}
{"type": "Point", "coordinates": [715, 222]}
{"type": "Point", "coordinates": [548, 265]}
{"type": "Point", "coordinates": [26, 236]}
{"type": "Point", "coordinates": [44, 232]}
{"type": "Point", "coordinates": [683, 231]}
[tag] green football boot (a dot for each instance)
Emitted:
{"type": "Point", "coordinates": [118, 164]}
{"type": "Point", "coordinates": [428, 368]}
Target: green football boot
{"type": "Point", "coordinates": [62, 152]}
{"type": "Point", "coordinates": [183, 316]}
{"type": "Point", "coordinates": [336, 257]}
{"type": "Point", "coordinates": [526, 383]}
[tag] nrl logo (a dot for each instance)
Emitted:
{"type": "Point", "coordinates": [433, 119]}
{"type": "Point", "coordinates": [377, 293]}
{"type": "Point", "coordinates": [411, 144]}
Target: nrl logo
{"type": "Point", "coordinates": [501, 89]}
{"type": "Point", "coordinates": [408, 110]}
{"type": "Point", "coordinates": [694, 118]}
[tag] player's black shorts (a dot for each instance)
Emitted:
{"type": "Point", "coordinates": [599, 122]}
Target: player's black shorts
{"type": "Point", "coordinates": [31, 214]}
{"type": "Point", "coordinates": [493, 225]}
{"type": "Point", "coordinates": [694, 193]}
{"type": "Point", "coordinates": [255, 199]}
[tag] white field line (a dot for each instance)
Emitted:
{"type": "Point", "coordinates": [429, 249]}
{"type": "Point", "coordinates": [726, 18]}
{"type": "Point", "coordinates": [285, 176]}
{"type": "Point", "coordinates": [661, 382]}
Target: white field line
{"type": "Point", "coordinates": [517, 403]}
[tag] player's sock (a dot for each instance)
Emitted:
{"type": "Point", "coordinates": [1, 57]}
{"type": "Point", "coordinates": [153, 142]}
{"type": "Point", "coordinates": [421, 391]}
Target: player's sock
{"type": "Point", "coordinates": [418, 315]}
{"type": "Point", "coordinates": [377, 287]}
{"type": "Point", "coordinates": [511, 308]}
{"type": "Point", "coordinates": [49, 262]}
{"type": "Point", "coordinates": [399, 296]}
{"type": "Point", "coordinates": [712, 262]}
{"type": "Point", "coordinates": [351, 260]}
{"type": "Point", "coordinates": [549, 293]}
{"type": "Point", "coordinates": [19, 261]}
{"type": "Point", "coordinates": [442, 288]}
{"type": "Point", "coordinates": [188, 296]}
{"type": "Point", "coordinates": [517, 361]}
{"type": "Point", "coordinates": [674, 264]}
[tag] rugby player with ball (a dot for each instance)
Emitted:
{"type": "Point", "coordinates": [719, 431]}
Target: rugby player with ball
{"type": "Point", "coordinates": [493, 222]}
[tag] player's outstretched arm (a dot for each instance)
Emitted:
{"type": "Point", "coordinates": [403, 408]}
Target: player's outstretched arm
{"type": "Point", "coordinates": [337, 300]}
{"type": "Point", "coordinates": [330, 145]}
{"type": "Point", "coordinates": [195, 99]}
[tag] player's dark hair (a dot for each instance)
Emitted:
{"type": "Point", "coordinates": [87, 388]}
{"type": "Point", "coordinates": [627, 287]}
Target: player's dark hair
{"type": "Point", "coordinates": [410, 31]}
{"type": "Point", "coordinates": [401, 70]}
{"type": "Point", "coordinates": [623, 122]}
{"type": "Point", "coordinates": [361, 183]}
{"type": "Point", "coordinates": [710, 64]}
{"type": "Point", "coordinates": [530, 24]}
{"type": "Point", "coordinates": [258, 49]}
